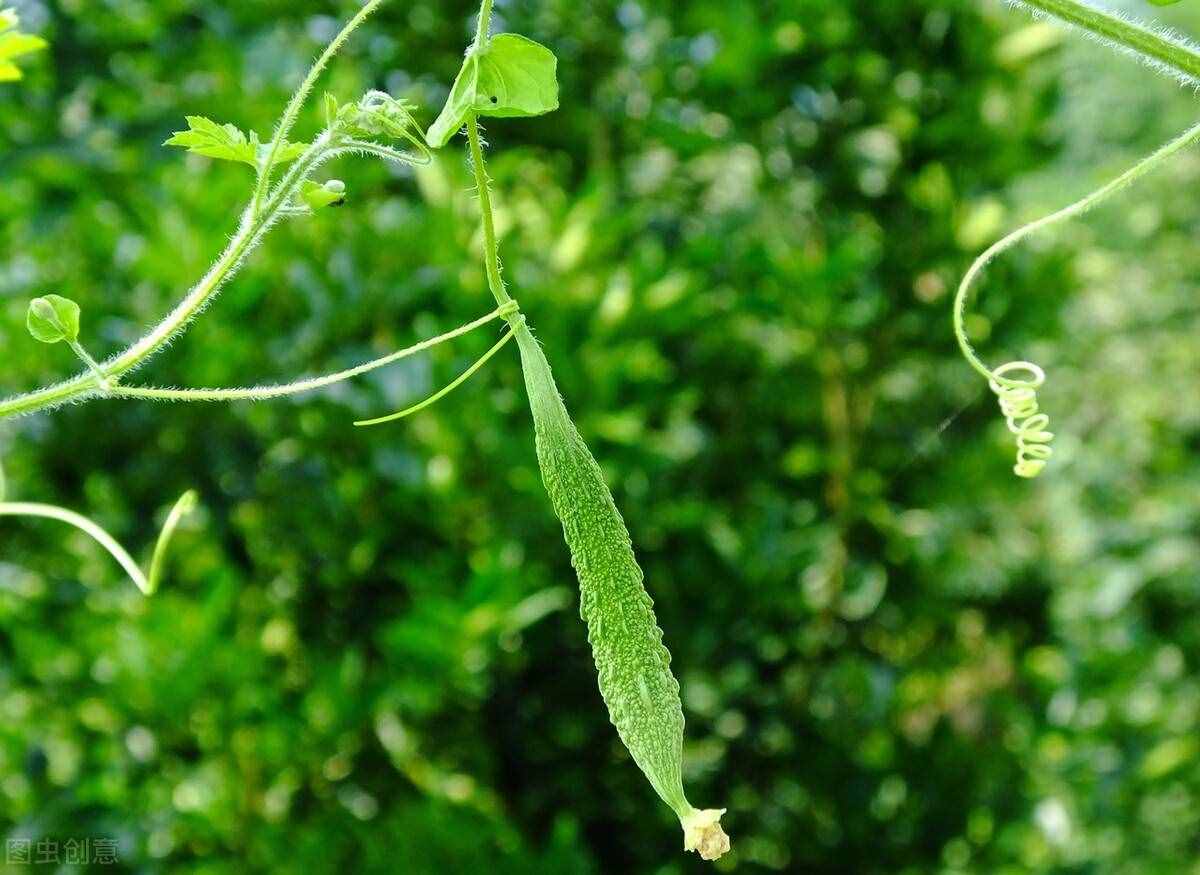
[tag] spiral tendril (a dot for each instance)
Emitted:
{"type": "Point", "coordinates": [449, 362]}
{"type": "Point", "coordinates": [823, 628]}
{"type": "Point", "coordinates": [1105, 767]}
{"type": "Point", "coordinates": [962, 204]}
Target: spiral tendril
{"type": "Point", "coordinates": [1018, 396]}
{"type": "Point", "coordinates": [1019, 406]}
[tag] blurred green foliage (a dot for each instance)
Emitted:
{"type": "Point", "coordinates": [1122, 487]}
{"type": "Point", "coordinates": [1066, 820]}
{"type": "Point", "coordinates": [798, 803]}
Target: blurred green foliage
{"type": "Point", "coordinates": [736, 240]}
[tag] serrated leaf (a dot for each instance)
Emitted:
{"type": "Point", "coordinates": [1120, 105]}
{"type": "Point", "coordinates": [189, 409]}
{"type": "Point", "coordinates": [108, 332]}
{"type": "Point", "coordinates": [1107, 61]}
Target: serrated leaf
{"type": "Point", "coordinates": [288, 152]}
{"type": "Point", "coordinates": [513, 77]}
{"type": "Point", "coordinates": [53, 319]}
{"type": "Point", "coordinates": [228, 143]}
{"type": "Point", "coordinates": [223, 142]}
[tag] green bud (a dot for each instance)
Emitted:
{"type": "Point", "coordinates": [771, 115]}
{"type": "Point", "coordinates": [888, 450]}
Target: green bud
{"type": "Point", "coordinates": [318, 197]}
{"type": "Point", "coordinates": [53, 319]}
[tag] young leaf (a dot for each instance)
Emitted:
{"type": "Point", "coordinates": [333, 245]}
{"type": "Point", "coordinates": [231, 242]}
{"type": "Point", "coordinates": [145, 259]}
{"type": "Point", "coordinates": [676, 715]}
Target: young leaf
{"type": "Point", "coordinates": [518, 78]}
{"type": "Point", "coordinates": [13, 45]}
{"type": "Point", "coordinates": [513, 77]}
{"type": "Point", "coordinates": [228, 143]}
{"type": "Point", "coordinates": [53, 319]}
{"type": "Point", "coordinates": [376, 115]}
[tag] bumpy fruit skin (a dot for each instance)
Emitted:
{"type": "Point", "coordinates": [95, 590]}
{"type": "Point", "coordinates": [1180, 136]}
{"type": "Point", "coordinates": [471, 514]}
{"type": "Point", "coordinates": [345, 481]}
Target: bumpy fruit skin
{"type": "Point", "coordinates": [634, 667]}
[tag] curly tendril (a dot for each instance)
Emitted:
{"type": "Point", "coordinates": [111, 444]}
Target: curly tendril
{"type": "Point", "coordinates": [1019, 405]}
{"type": "Point", "coordinates": [1018, 395]}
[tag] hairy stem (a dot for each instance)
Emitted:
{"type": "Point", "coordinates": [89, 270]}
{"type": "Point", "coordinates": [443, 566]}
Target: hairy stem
{"type": "Point", "coordinates": [491, 250]}
{"type": "Point", "coordinates": [292, 112]}
{"type": "Point", "coordinates": [102, 382]}
{"type": "Point", "coordinates": [253, 227]}
{"type": "Point", "coordinates": [485, 24]}
{"type": "Point", "coordinates": [1158, 48]}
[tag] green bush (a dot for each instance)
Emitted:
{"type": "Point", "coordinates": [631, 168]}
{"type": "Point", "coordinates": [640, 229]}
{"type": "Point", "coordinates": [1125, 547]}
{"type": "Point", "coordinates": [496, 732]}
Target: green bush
{"type": "Point", "coordinates": [737, 239]}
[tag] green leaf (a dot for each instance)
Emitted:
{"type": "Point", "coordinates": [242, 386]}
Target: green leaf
{"type": "Point", "coordinates": [518, 78]}
{"type": "Point", "coordinates": [318, 197]}
{"type": "Point", "coordinates": [53, 319]}
{"type": "Point", "coordinates": [228, 143]}
{"type": "Point", "coordinates": [13, 45]}
{"type": "Point", "coordinates": [1163, 2]}
{"type": "Point", "coordinates": [513, 77]}
{"type": "Point", "coordinates": [223, 142]}
{"type": "Point", "coordinates": [288, 152]}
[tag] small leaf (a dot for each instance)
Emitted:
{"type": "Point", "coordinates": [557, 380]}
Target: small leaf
{"type": "Point", "coordinates": [318, 197]}
{"type": "Point", "coordinates": [376, 115]}
{"type": "Point", "coordinates": [513, 77]}
{"type": "Point", "coordinates": [53, 319]}
{"type": "Point", "coordinates": [518, 78]}
{"type": "Point", "coordinates": [228, 143]}
{"type": "Point", "coordinates": [1163, 2]}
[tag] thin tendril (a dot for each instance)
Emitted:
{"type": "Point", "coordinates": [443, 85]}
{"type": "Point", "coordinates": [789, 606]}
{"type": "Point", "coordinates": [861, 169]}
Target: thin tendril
{"type": "Point", "coordinates": [264, 393]}
{"type": "Point", "coordinates": [147, 583]}
{"type": "Point", "coordinates": [1018, 397]}
{"type": "Point", "coordinates": [438, 396]}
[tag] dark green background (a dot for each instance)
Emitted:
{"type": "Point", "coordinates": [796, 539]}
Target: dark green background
{"type": "Point", "coordinates": [738, 241]}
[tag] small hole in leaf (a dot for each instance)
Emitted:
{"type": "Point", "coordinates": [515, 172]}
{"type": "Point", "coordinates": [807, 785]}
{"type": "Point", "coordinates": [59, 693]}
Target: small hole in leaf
{"type": "Point", "coordinates": [495, 99]}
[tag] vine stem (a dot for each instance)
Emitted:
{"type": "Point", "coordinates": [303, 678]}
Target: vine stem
{"type": "Point", "coordinates": [483, 184]}
{"type": "Point", "coordinates": [292, 112]}
{"type": "Point", "coordinates": [250, 233]}
{"type": "Point", "coordinates": [485, 24]}
{"type": "Point", "coordinates": [1156, 47]}
{"type": "Point", "coordinates": [266, 207]}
